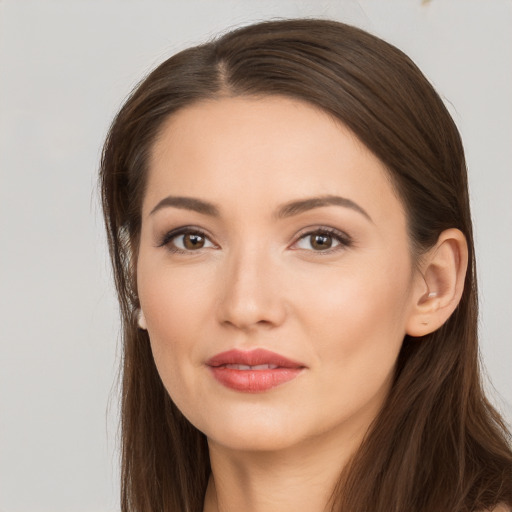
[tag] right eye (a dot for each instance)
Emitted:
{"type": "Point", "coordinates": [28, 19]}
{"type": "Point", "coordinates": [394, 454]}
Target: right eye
{"type": "Point", "coordinates": [186, 240]}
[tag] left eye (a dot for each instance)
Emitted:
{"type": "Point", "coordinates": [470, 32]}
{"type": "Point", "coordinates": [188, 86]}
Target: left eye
{"type": "Point", "coordinates": [321, 241]}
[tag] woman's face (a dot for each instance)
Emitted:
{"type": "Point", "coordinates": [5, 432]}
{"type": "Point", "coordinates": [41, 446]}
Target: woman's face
{"type": "Point", "coordinates": [267, 225]}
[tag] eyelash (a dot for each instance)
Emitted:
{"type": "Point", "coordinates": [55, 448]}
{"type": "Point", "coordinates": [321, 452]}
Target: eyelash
{"type": "Point", "coordinates": [344, 241]}
{"type": "Point", "coordinates": [168, 237]}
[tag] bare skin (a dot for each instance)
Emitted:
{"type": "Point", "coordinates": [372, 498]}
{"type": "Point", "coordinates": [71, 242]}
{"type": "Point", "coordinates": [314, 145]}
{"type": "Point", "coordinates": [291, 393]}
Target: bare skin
{"type": "Point", "coordinates": [333, 286]}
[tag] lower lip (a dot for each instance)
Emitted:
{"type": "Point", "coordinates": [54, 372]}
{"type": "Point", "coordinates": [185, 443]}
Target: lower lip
{"type": "Point", "coordinates": [253, 381]}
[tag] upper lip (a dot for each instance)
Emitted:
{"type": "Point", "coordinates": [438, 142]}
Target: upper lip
{"type": "Point", "coordinates": [252, 358]}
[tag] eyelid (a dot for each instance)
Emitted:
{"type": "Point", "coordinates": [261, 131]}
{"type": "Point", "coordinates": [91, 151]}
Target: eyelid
{"type": "Point", "coordinates": [343, 238]}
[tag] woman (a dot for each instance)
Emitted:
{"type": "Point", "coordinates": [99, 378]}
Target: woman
{"type": "Point", "coordinates": [289, 226]}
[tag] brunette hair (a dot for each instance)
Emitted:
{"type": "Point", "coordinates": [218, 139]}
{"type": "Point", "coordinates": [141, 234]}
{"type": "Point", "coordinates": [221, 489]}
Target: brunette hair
{"type": "Point", "coordinates": [437, 445]}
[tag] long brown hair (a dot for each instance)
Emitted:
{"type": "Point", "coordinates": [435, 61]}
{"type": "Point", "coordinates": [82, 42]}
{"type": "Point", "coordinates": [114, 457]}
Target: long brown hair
{"type": "Point", "coordinates": [437, 445]}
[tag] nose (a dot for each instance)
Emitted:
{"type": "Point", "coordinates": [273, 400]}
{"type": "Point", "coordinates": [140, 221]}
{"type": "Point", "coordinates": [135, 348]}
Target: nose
{"type": "Point", "coordinates": [251, 292]}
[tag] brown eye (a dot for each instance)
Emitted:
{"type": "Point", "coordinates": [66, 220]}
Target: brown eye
{"type": "Point", "coordinates": [321, 241]}
{"type": "Point", "coordinates": [185, 240]}
{"type": "Point", "coordinates": [193, 241]}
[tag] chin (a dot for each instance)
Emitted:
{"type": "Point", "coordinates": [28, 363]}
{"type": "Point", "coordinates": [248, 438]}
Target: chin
{"type": "Point", "coordinates": [259, 442]}
{"type": "Point", "coordinates": [249, 434]}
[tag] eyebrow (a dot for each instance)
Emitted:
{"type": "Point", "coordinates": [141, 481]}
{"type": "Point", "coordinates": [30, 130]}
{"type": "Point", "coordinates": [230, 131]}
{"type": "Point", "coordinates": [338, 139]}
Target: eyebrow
{"type": "Point", "coordinates": [284, 211]}
{"type": "Point", "coordinates": [303, 205]}
{"type": "Point", "coordinates": [187, 203]}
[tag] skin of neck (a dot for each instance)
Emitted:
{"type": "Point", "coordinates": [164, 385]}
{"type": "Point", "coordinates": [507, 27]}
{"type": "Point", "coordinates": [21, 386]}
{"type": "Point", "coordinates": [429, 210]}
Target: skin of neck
{"type": "Point", "coordinates": [299, 478]}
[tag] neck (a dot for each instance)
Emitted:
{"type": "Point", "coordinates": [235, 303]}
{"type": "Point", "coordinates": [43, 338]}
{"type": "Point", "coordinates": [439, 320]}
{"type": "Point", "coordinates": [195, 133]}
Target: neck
{"type": "Point", "coordinates": [283, 481]}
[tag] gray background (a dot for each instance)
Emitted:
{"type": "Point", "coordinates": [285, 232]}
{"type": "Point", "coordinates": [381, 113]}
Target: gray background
{"type": "Point", "coordinates": [65, 67]}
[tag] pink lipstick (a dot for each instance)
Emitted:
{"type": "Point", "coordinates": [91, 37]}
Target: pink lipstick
{"type": "Point", "coordinates": [253, 371]}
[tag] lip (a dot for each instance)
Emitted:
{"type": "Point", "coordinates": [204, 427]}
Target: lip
{"type": "Point", "coordinates": [257, 380]}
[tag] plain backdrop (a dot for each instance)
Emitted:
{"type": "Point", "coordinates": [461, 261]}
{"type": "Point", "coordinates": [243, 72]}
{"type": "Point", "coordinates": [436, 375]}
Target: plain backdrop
{"type": "Point", "coordinates": [65, 68]}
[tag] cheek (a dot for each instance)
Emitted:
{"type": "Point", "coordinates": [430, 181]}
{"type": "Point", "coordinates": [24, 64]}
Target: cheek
{"type": "Point", "coordinates": [174, 297]}
{"type": "Point", "coordinates": [358, 325]}
{"type": "Point", "coordinates": [170, 303]}
{"type": "Point", "coordinates": [175, 304]}
{"type": "Point", "coordinates": [357, 298]}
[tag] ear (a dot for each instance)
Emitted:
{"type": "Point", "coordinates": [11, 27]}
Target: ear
{"type": "Point", "coordinates": [440, 283]}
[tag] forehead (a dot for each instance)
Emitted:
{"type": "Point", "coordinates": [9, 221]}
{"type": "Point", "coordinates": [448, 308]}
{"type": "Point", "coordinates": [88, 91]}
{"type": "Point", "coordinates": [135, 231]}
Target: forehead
{"type": "Point", "coordinates": [262, 151]}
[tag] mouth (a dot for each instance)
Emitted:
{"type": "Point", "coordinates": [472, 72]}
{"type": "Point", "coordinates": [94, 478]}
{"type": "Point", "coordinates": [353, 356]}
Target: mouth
{"type": "Point", "coordinates": [248, 367]}
{"type": "Point", "coordinates": [253, 371]}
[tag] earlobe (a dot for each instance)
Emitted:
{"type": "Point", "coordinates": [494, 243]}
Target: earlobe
{"type": "Point", "coordinates": [141, 320]}
{"type": "Point", "coordinates": [441, 283]}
